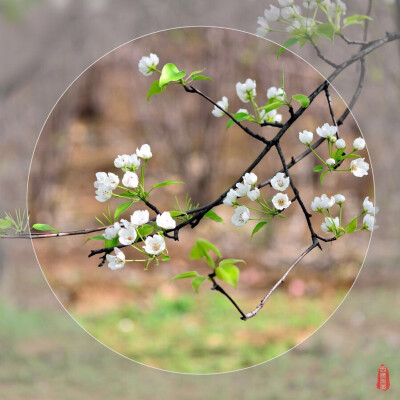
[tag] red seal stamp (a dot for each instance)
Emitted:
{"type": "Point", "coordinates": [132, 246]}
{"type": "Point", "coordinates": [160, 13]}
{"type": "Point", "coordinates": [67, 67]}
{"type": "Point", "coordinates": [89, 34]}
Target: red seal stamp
{"type": "Point", "coordinates": [383, 382]}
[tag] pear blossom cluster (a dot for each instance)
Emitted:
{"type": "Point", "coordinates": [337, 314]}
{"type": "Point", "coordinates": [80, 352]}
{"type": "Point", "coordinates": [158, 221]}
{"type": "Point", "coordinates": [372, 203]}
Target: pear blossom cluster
{"type": "Point", "coordinates": [334, 225]}
{"type": "Point", "coordinates": [128, 232]}
{"type": "Point", "coordinates": [336, 149]}
{"type": "Point", "coordinates": [106, 183]}
{"type": "Point", "coordinates": [300, 19]}
{"type": "Point", "coordinates": [248, 188]}
{"type": "Point", "coordinates": [247, 92]}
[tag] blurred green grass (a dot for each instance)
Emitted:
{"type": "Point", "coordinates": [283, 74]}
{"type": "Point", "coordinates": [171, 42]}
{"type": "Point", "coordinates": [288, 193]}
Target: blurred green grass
{"type": "Point", "coordinates": [203, 334]}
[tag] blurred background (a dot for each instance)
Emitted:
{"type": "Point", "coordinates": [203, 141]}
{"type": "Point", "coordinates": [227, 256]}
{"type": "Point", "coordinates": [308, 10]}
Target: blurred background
{"type": "Point", "coordinates": [136, 312]}
{"type": "Point", "coordinates": [47, 45]}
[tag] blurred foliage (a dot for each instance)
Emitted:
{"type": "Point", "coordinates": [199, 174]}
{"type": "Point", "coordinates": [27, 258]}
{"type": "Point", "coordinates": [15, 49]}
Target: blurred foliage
{"type": "Point", "coordinates": [14, 10]}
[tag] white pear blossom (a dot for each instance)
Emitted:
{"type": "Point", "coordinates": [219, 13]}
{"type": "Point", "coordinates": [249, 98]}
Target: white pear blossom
{"type": "Point", "coordinates": [242, 189]}
{"type": "Point", "coordinates": [322, 203]}
{"type": "Point", "coordinates": [117, 261]}
{"type": "Point", "coordinates": [359, 167]}
{"type": "Point", "coordinates": [292, 12]}
{"type": "Point", "coordinates": [254, 194]}
{"type": "Point", "coordinates": [306, 137]}
{"type": "Point", "coordinates": [250, 178]}
{"type": "Point", "coordinates": [139, 217]}
{"type": "Point", "coordinates": [112, 231]}
{"type": "Point", "coordinates": [246, 90]}
{"type": "Point", "coordinates": [165, 221]}
{"type": "Point", "coordinates": [369, 206]}
{"type": "Point", "coordinates": [359, 144]}
{"type": "Point", "coordinates": [272, 14]}
{"type": "Point", "coordinates": [274, 92]}
{"type": "Point", "coordinates": [130, 180]}
{"type": "Point", "coordinates": [280, 182]}
{"type": "Point", "coordinates": [144, 152]}
{"type": "Point", "coordinates": [369, 222]}
{"type": "Point", "coordinates": [242, 110]}
{"type": "Point", "coordinates": [310, 4]}
{"type": "Point", "coordinates": [240, 216]}
{"type": "Point", "coordinates": [127, 235]}
{"type": "Point", "coordinates": [154, 244]}
{"type": "Point", "coordinates": [281, 201]}
{"type": "Point", "coordinates": [339, 198]}
{"type": "Point", "coordinates": [285, 3]}
{"type": "Point", "coordinates": [230, 198]}
{"type": "Point", "coordinates": [327, 131]}
{"type": "Point", "coordinates": [271, 116]}
{"type": "Point", "coordinates": [330, 225]}
{"type": "Point", "coordinates": [103, 193]}
{"type": "Point", "coordinates": [147, 64]}
{"type": "Point", "coordinates": [330, 162]}
{"type": "Point", "coordinates": [224, 104]}
{"type": "Point", "coordinates": [111, 180]}
{"type": "Point", "coordinates": [123, 161]}
{"type": "Point", "coordinates": [340, 8]}
{"type": "Point", "coordinates": [134, 161]}
{"type": "Point", "coordinates": [264, 28]}
{"type": "Point", "coordinates": [340, 144]}
{"type": "Point", "coordinates": [295, 25]}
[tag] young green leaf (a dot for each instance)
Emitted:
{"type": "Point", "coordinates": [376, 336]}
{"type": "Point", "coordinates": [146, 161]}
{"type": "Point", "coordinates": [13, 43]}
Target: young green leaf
{"type": "Point", "coordinates": [123, 207]}
{"type": "Point", "coordinates": [290, 42]}
{"type": "Point", "coordinates": [326, 30]}
{"type": "Point", "coordinates": [275, 104]}
{"type": "Point", "coordinates": [170, 73]}
{"type": "Point", "coordinates": [230, 261]}
{"type": "Point", "coordinates": [318, 168]}
{"type": "Point", "coordinates": [201, 78]}
{"type": "Point", "coordinates": [302, 99]}
{"type": "Point", "coordinates": [196, 72]}
{"type": "Point", "coordinates": [202, 249]}
{"type": "Point", "coordinates": [44, 227]}
{"type": "Point", "coordinates": [258, 227]}
{"type": "Point", "coordinates": [166, 183]}
{"type": "Point", "coordinates": [166, 258]}
{"type": "Point", "coordinates": [95, 238]}
{"type": "Point", "coordinates": [351, 226]}
{"type": "Point", "coordinates": [176, 213]}
{"type": "Point", "coordinates": [5, 223]}
{"type": "Point", "coordinates": [184, 275]}
{"type": "Point", "coordinates": [155, 88]}
{"type": "Point", "coordinates": [321, 178]}
{"type": "Point", "coordinates": [239, 117]}
{"type": "Point", "coordinates": [197, 282]}
{"type": "Point", "coordinates": [214, 216]}
{"type": "Point", "coordinates": [111, 243]}
{"type": "Point", "coordinates": [351, 156]}
{"type": "Point", "coordinates": [355, 20]}
{"type": "Point", "coordinates": [228, 273]}
{"type": "Point", "coordinates": [145, 230]}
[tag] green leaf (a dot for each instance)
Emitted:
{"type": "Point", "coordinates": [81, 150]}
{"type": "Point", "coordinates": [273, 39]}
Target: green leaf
{"type": "Point", "coordinates": [111, 243]}
{"type": "Point", "coordinates": [145, 230]}
{"type": "Point", "coordinates": [196, 72]}
{"type": "Point", "coordinates": [290, 42]}
{"type": "Point", "coordinates": [351, 156]}
{"type": "Point", "coordinates": [176, 213]}
{"type": "Point", "coordinates": [351, 226]}
{"type": "Point", "coordinates": [197, 282]}
{"type": "Point", "coordinates": [271, 105]}
{"type": "Point", "coordinates": [230, 261]}
{"type": "Point", "coordinates": [282, 79]}
{"type": "Point", "coordinates": [214, 216]}
{"type": "Point", "coordinates": [166, 258]}
{"type": "Point", "coordinates": [321, 178]}
{"type": "Point", "coordinates": [355, 20]}
{"type": "Point", "coordinates": [184, 275]}
{"type": "Point", "coordinates": [202, 249]}
{"type": "Point", "coordinates": [201, 78]}
{"type": "Point", "coordinates": [239, 117]}
{"type": "Point", "coordinates": [5, 223]}
{"type": "Point", "coordinates": [302, 99]}
{"type": "Point", "coordinates": [100, 237]}
{"type": "Point", "coordinates": [155, 88]}
{"type": "Point", "coordinates": [318, 168]}
{"type": "Point", "coordinates": [44, 227]}
{"type": "Point", "coordinates": [170, 73]}
{"type": "Point", "coordinates": [228, 273]}
{"type": "Point", "coordinates": [123, 207]}
{"type": "Point", "coordinates": [258, 227]}
{"type": "Point", "coordinates": [326, 30]}
{"type": "Point", "coordinates": [130, 194]}
{"type": "Point", "coordinates": [166, 183]}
